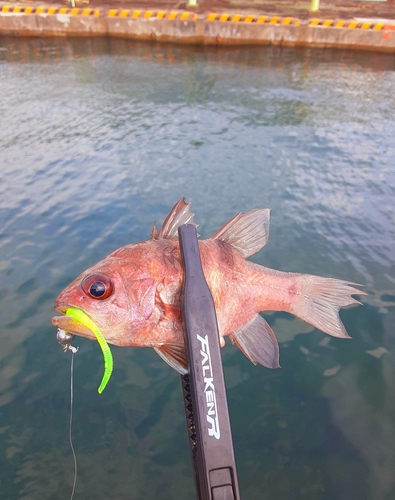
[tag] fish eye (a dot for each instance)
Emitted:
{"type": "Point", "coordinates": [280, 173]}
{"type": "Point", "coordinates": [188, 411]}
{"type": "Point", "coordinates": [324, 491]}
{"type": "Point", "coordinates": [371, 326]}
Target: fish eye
{"type": "Point", "coordinates": [97, 286]}
{"type": "Point", "coordinates": [97, 289]}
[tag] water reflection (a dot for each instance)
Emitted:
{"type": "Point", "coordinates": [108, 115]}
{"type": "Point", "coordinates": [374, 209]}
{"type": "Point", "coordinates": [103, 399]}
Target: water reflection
{"type": "Point", "coordinates": [24, 50]}
{"type": "Point", "coordinates": [101, 137]}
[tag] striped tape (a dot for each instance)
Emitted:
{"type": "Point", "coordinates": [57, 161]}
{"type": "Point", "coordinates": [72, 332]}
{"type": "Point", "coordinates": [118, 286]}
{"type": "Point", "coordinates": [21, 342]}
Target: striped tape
{"type": "Point", "coordinates": [50, 10]}
{"type": "Point", "coordinates": [192, 16]}
{"type": "Point", "coordinates": [347, 24]}
{"type": "Point", "coordinates": [237, 18]}
{"type": "Point", "coordinates": [142, 14]}
{"type": "Point", "coordinates": [151, 14]}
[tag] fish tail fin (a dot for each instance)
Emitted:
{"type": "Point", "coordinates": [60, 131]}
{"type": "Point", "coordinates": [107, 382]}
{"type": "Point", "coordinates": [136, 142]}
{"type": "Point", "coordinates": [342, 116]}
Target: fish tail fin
{"type": "Point", "coordinates": [318, 300]}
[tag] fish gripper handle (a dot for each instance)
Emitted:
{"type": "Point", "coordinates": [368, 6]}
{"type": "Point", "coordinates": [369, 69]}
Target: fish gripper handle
{"type": "Point", "coordinates": [204, 388]}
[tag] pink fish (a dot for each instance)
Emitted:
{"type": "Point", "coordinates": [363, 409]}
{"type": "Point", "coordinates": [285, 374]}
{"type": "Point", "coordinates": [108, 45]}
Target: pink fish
{"type": "Point", "coordinates": [133, 294]}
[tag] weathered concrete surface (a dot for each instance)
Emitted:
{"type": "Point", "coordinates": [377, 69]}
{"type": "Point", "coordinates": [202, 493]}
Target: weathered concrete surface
{"type": "Point", "coordinates": [51, 25]}
{"type": "Point", "coordinates": [300, 35]}
{"type": "Point", "coordinates": [185, 27]}
{"type": "Point", "coordinates": [155, 29]}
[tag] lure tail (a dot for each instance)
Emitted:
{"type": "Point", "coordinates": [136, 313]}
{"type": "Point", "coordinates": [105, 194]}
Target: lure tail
{"type": "Point", "coordinates": [83, 318]}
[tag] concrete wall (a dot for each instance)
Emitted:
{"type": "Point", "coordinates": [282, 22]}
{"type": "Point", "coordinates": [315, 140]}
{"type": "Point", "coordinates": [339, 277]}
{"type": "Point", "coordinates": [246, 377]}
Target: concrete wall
{"type": "Point", "coordinates": [187, 27]}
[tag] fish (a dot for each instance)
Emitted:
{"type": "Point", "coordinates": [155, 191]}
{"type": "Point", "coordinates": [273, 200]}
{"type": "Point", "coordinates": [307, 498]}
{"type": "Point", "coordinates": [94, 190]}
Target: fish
{"type": "Point", "coordinates": [134, 294]}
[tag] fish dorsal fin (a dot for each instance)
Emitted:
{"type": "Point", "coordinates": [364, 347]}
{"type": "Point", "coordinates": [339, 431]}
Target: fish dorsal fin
{"type": "Point", "coordinates": [256, 340]}
{"type": "Point", "coordinates": [178, 215]}
{"type": "Point", "coordinates": [154, 232]}
{"type": "Point", "coordinates": [174, 355]}
{"type": "Point", "coordinates": [247, 232]}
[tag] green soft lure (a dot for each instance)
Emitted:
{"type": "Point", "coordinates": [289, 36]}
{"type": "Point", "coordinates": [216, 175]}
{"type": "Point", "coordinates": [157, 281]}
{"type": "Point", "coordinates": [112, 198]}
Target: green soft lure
{"type": "Point", "coordinates": [107, 355]}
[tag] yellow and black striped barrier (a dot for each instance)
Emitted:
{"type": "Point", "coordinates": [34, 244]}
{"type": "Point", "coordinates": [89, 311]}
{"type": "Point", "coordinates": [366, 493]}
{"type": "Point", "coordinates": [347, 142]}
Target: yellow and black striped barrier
{"type": "Point", "coordinates": [134, 14]}
{"type": "Point", "coordinates": [350, 24]}
{"type": "Point", "coordinates": [151, 14]}
{"type": "Point", "coordinates": [192, 16]}
{"type": "Point", "coordinates": [49, 10]}
{"type": "Point", "coordinates": [237, 18]}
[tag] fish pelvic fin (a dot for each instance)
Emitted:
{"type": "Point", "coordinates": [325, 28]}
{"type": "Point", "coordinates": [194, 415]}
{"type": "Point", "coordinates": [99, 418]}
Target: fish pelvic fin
{"type": "Point", "coordinates": [175, 356]}
{"type": "Point", "coordinates": [318, 301]}
{"type": "Point", "coordinates": [256, 340]}
{"type": "Point", "coordinates": [247, 232]}
{"type": "Point", "coordinates": [178, 215]}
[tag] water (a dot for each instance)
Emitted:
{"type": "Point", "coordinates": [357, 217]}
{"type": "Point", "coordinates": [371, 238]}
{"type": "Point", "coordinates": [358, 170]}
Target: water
{"type": "Point", "coordinates": [98, 139]}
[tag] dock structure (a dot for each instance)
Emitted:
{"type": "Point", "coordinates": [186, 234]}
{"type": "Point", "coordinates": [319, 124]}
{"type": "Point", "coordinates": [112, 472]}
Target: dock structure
{"type": "Point", "coordinates": [285, 23]}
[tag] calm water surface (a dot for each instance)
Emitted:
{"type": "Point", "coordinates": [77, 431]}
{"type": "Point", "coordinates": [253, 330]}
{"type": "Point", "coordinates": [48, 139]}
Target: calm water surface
{"type": "Point", "coordinates": [98, 139]}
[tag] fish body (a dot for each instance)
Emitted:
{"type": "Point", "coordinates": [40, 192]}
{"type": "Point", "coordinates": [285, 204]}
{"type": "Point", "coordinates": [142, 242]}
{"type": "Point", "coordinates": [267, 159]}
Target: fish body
{"type": "Point", "coordinates": [134, 294]}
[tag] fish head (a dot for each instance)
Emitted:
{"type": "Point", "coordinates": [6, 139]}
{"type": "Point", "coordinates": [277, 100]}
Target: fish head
{"type": "Point", "coordinates": [118, 295]}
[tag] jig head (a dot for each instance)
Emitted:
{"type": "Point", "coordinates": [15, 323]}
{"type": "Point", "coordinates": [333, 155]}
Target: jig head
{"type": "Point", "coordinates": [65, 339]}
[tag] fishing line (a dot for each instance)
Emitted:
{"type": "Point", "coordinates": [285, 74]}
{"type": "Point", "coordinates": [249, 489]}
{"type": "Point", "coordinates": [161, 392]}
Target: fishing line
{"type": "Point", "coordinates": [65, 339]}
{"type": "Point", "coordinates": [73, 351]}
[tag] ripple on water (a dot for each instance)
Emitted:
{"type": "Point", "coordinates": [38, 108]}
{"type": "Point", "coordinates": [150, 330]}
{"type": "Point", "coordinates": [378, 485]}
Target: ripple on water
{"type": "Point", "coordinates": [101, 138]}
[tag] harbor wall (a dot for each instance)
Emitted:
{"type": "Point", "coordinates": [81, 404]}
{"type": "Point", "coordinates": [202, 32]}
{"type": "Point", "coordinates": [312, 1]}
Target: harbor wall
{"type": "Point", "coordinates": [190, 27]}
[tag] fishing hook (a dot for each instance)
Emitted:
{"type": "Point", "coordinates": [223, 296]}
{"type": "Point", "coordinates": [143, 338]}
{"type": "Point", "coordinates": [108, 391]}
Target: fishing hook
{"type": "Point", "coordinates": [65, 339]}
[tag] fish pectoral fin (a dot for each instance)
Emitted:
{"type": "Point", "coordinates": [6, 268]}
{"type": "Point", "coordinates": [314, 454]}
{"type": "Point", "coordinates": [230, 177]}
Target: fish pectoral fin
{"type": "Point", "coordinates": [175, 356]}
{"type": "Point", "coordinates": [256, 340]}
{"type": "Point", "coordinates": [178, 215]}
{"type": "Point", "coordinates": [247, 232]}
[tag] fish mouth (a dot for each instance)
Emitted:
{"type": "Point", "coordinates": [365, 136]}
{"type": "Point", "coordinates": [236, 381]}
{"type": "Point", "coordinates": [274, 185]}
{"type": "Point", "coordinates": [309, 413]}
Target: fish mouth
{"type": "Point", "coordinates": [70, 324]}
